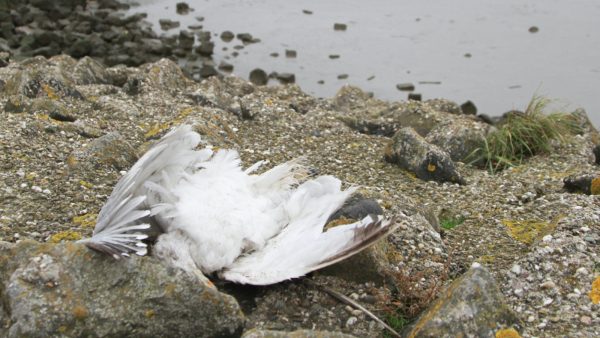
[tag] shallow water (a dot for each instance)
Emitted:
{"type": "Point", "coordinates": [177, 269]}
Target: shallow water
{"type": "Point", "coordinates": [427, 43]}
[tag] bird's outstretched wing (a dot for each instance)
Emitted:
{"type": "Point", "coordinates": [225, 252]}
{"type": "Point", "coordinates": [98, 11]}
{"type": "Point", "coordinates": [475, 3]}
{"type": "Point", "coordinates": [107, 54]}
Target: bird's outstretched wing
{"type": "Point", "coordinates": [302, 246]}
{"type": "Point", "coordinates": [121, 223]}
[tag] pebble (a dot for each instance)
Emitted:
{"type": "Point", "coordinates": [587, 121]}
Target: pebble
{"type": "Point", "coordinates": [586, 320]}
{"type": "Point", "coordinates": [516, 269]}
{"type": "Point", "coordinates": [351, 321]}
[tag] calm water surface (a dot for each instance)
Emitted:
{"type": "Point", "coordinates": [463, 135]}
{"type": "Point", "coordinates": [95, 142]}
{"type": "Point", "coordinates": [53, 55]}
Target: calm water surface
{"type": "Point", "coordinates": [478, 50]}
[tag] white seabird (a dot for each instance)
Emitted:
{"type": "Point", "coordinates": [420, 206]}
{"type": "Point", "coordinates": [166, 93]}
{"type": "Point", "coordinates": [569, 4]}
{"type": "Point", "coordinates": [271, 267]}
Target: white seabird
{"type": "Point", "coordinates": [215, 217]}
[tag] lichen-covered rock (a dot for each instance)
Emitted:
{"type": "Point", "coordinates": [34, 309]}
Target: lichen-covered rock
{"type": "Point", "coordinates": [294, 334]}
{"type": "Point", "coordinates": [165, 74]}
{"type": "Point", "coordinates": [472, 306]}
{"type": "Point", "coordinates": [68, 290]}
{"type": "Point", "coordinates": [108, 150]}
{"type": "Point", "coordinates": [460, 138]}
{"type": "Point", "coordinates": [587, 184]}
{"type": "Point", "coordinates": [427, 161]}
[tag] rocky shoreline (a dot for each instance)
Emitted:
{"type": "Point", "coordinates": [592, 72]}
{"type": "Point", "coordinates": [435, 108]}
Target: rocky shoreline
{"type": "Point", "coordinates": [70, 127]}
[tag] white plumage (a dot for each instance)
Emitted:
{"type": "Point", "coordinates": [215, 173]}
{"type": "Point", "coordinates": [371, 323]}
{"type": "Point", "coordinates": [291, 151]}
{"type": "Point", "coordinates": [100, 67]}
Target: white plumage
{"type": "Point", "coordinates": [214, 217]}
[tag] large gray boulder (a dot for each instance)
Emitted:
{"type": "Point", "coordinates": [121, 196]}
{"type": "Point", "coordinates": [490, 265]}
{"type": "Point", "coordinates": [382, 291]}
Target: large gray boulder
{"type": "Point", "coordinates": [427, 161]}
{"type": "Point", "coordinates": [472, 306]}
{"type": "Point", "coordinates": [50, 290]}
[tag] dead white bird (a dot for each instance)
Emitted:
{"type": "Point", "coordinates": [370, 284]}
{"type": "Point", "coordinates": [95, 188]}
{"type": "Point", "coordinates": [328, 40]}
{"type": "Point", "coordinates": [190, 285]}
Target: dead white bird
{"type": "Point", "coordinates": [215, 217]}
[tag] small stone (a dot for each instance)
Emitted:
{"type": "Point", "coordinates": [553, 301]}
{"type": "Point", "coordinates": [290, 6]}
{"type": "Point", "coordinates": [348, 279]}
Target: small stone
{"type": "Point", "coordinates": [258, 77]}
{"type": "Point", "coordinates": [586, 320]}
{"type": "Point", "coordinates": [533, 29]}
{"type": "Point", "coordinates": [547, 238]}
{"type": "Point", "coordinates": [548, 285]}
{"type": "Point", "coordinates": [227, 36]}
{"type": "Point", "coordinates": [547, 301]}
{"type": "Point", "coordinates": [516, 269]}
{"type": "Point", "coordinates": [334, 56]}
{"type": "Point", "coordinates": [274, 54]}
{"type": "Point", "coordinates": [182, 8]}
{"type": "Point", "coordinates": [342, 76]}
{"type": "Point", "coordinates": [306, 11]}
{"type": "Point", "coordinates": [415, 96]}
{"type": "Point", "coordinates": [351, 321]}
{"type": "Point", "coordinates": [290, 53]}
{"type": "Point", "coordinates": [468, 108]}
{"type": "Point", "coordinates": [286, 78]}
{"type": "Point", "coordinates": [339, 26]}
{"type": "Point", "coordinates": [406, 87]}
{"type": "Point", "coordinates": [166, 24]}
{"type": "Point", "coordinates": [225, 66]}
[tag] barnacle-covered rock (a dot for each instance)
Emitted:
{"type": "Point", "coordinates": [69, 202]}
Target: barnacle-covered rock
{"type": "Point", "coordinates": [68, 290]}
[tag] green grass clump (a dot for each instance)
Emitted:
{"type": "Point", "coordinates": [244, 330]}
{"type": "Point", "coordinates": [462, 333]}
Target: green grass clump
{"type": "Point", "coordinates": [395, 321]}
{"type": "Point", "coordinates": [524, 134]}
{"type": "Point", "coordinates": [451, 223]}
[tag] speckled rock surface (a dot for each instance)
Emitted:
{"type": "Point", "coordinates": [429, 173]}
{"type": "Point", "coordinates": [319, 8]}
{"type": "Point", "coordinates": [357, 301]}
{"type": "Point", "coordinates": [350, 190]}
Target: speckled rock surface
{"type": "Point", "coordinates": [294, 334]}
{"type": "Point", "coordinates": [426, 161]}
{"type": "Point", "coordinates": [506, 218]}
{"type": "Point", "coordinates": [472, 306]}
{"type": "Point", "coordinates": [68, 290]}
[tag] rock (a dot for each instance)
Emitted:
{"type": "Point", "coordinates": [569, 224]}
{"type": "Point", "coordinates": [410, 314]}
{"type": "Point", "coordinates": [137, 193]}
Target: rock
{"type": "Point", "coordinates": [89, 71]}
{"type": "Point", "coordinates": [109, 150]}
{"type": "Point", "coordinates": [427, 161]}
{"type": "Point", "coordinates": [227, 36]}
{"type": "Point", "coordinates": [468, 108]}
{"type": "Point", "coordinates": [165, 74]}
{"type": "Point", "coordinates": [225, 66]}
{"type": "Point", "coordinates": [255, 333]}
{"type": "Point", "coordinates": [587, 184]}
{"type": "Point", "coordinates": [207, 71]}
{"type": "Point", "coordinates": [414, 96]}
{"type": "Point", "coordinates": [357, 207]}
{"type": "Point", "coordinates": [290, 53]}
{"type": "Point", "coordinates": [182, 8]}
{"type": "Point", "coordinates": [334, 56]}
{"type": "Point", "coordinates": [186, 40]}
{"type": "Point", "coordinates": [533, 29]}
{"type": "Point", "coordinates": [166, 24]}
{"type": "Point", "coordinates": [206, 48]}
{"type": "Point", "coordinates": [258, 77]}
{"type": "Point", "coordinates": [306, 11]}
{"type": "Point", "coordinates": [460, 138]}
{"type": "Point", "coordinates": [472, 306]}
{"type": "Point", "coordinates": [445, 106]}
{"type": "Point", "coordinates": [405, 86]}
{"type": "Point", "coordinates": [339, 27]}
{"type": "Point", "coordinates": [72, 291]}
{"type": "Point", "coordinates": [597, 154]}
{"type": "Point", "coordinates": [286, 78]}
{"type": "Point", "coordinates": [247, 38]}
{"type": "Point", "coordinates": [342, 76]}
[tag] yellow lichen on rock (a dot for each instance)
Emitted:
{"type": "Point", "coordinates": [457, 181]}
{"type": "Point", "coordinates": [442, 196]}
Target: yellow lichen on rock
{"type": "Point", "coordinates": [86, 221]}
{"type": "Point", "coordinates": [595, 292]}
{"type": "Point", "coordinates": [508, 333]}
{"type": "Point", "coordinates": [529, 231]}
{"type": "Point", "coordinates": [80, 312]}
{"type": "Point", "coordinates": [595, 186]}
{"type": "Point", "coordinates": [431, 167]}
{"type": "Point", "coordinates": [49, 91]}
{"type": "Point", "coordinates": [68, 235]}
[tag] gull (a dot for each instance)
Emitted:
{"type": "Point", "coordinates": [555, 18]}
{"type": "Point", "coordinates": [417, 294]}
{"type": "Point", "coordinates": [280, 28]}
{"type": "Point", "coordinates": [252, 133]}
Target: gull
{"type": "Point", "coordinates": [213, 217]}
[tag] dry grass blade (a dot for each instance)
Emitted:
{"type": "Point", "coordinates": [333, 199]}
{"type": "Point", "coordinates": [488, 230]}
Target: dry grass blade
{"type": "Point", "coordinates": [342, 298]}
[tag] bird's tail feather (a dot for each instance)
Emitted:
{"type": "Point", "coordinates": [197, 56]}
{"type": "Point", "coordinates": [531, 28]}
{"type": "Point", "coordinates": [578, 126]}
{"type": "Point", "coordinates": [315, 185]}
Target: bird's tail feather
{"type": "Point", "coordinates": [121, 223]}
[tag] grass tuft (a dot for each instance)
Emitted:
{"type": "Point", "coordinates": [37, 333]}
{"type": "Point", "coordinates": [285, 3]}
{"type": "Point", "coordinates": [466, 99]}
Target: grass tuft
{"type": "Point", "coordinates": [524, 134]}
{"type": "Point", "coordinates": [451, 223]}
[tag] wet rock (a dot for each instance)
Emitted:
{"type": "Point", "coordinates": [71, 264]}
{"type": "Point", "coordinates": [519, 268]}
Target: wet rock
{"type": "Point", "coordinates": [286, 78]}
{"type": "Point", "coordinates": [339, 26]}
{"type": "Point", "coordinates": [247, 38]}
{"type": "Point", "coordinates": [587, 184]}
{"type": "Point", "coordinates": [468, 108]}
{"type": "Point", "coordinates": [72, 291]}
{"type": "Point", "coordinates": [258, 77]}
{"type": "Point", "coordinates": [427, 161]}
{"type": "Point", "coordinates": [415, 96]}
{"type": "Point", "coordinates": [533, 29]}
{"type": "Point", "coordinates": [207, 71]}
{"type": "Point", "coordinates": [182, 8]}
{"type": "Point", "coordinates": [306, 11]}
{"type": "Point", "coordinates": [342, 76]}
{"type": "Point", "coordinates": [227, 36]}
{"type": "Point", "coordinates": [472, 306]}
{"type": "Point", "coordinates": [334, 56]}
{"type": "Point", "coordinates": [290, 53]}
{"type": "Point", "coordinates": [405, 87]}
{"type": "Point", "coordinates": [255, 333]}
{"type": "Point", "coordinates": [206, 48]}
{"type": "Point", "coordinates": [167, 24]}
{"type": "Point", "coordinates": [109, 150]}
{"type": "Point", "coordinates": [225, 66]}
{"type": "Point", "coordinates": [186, 40]}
